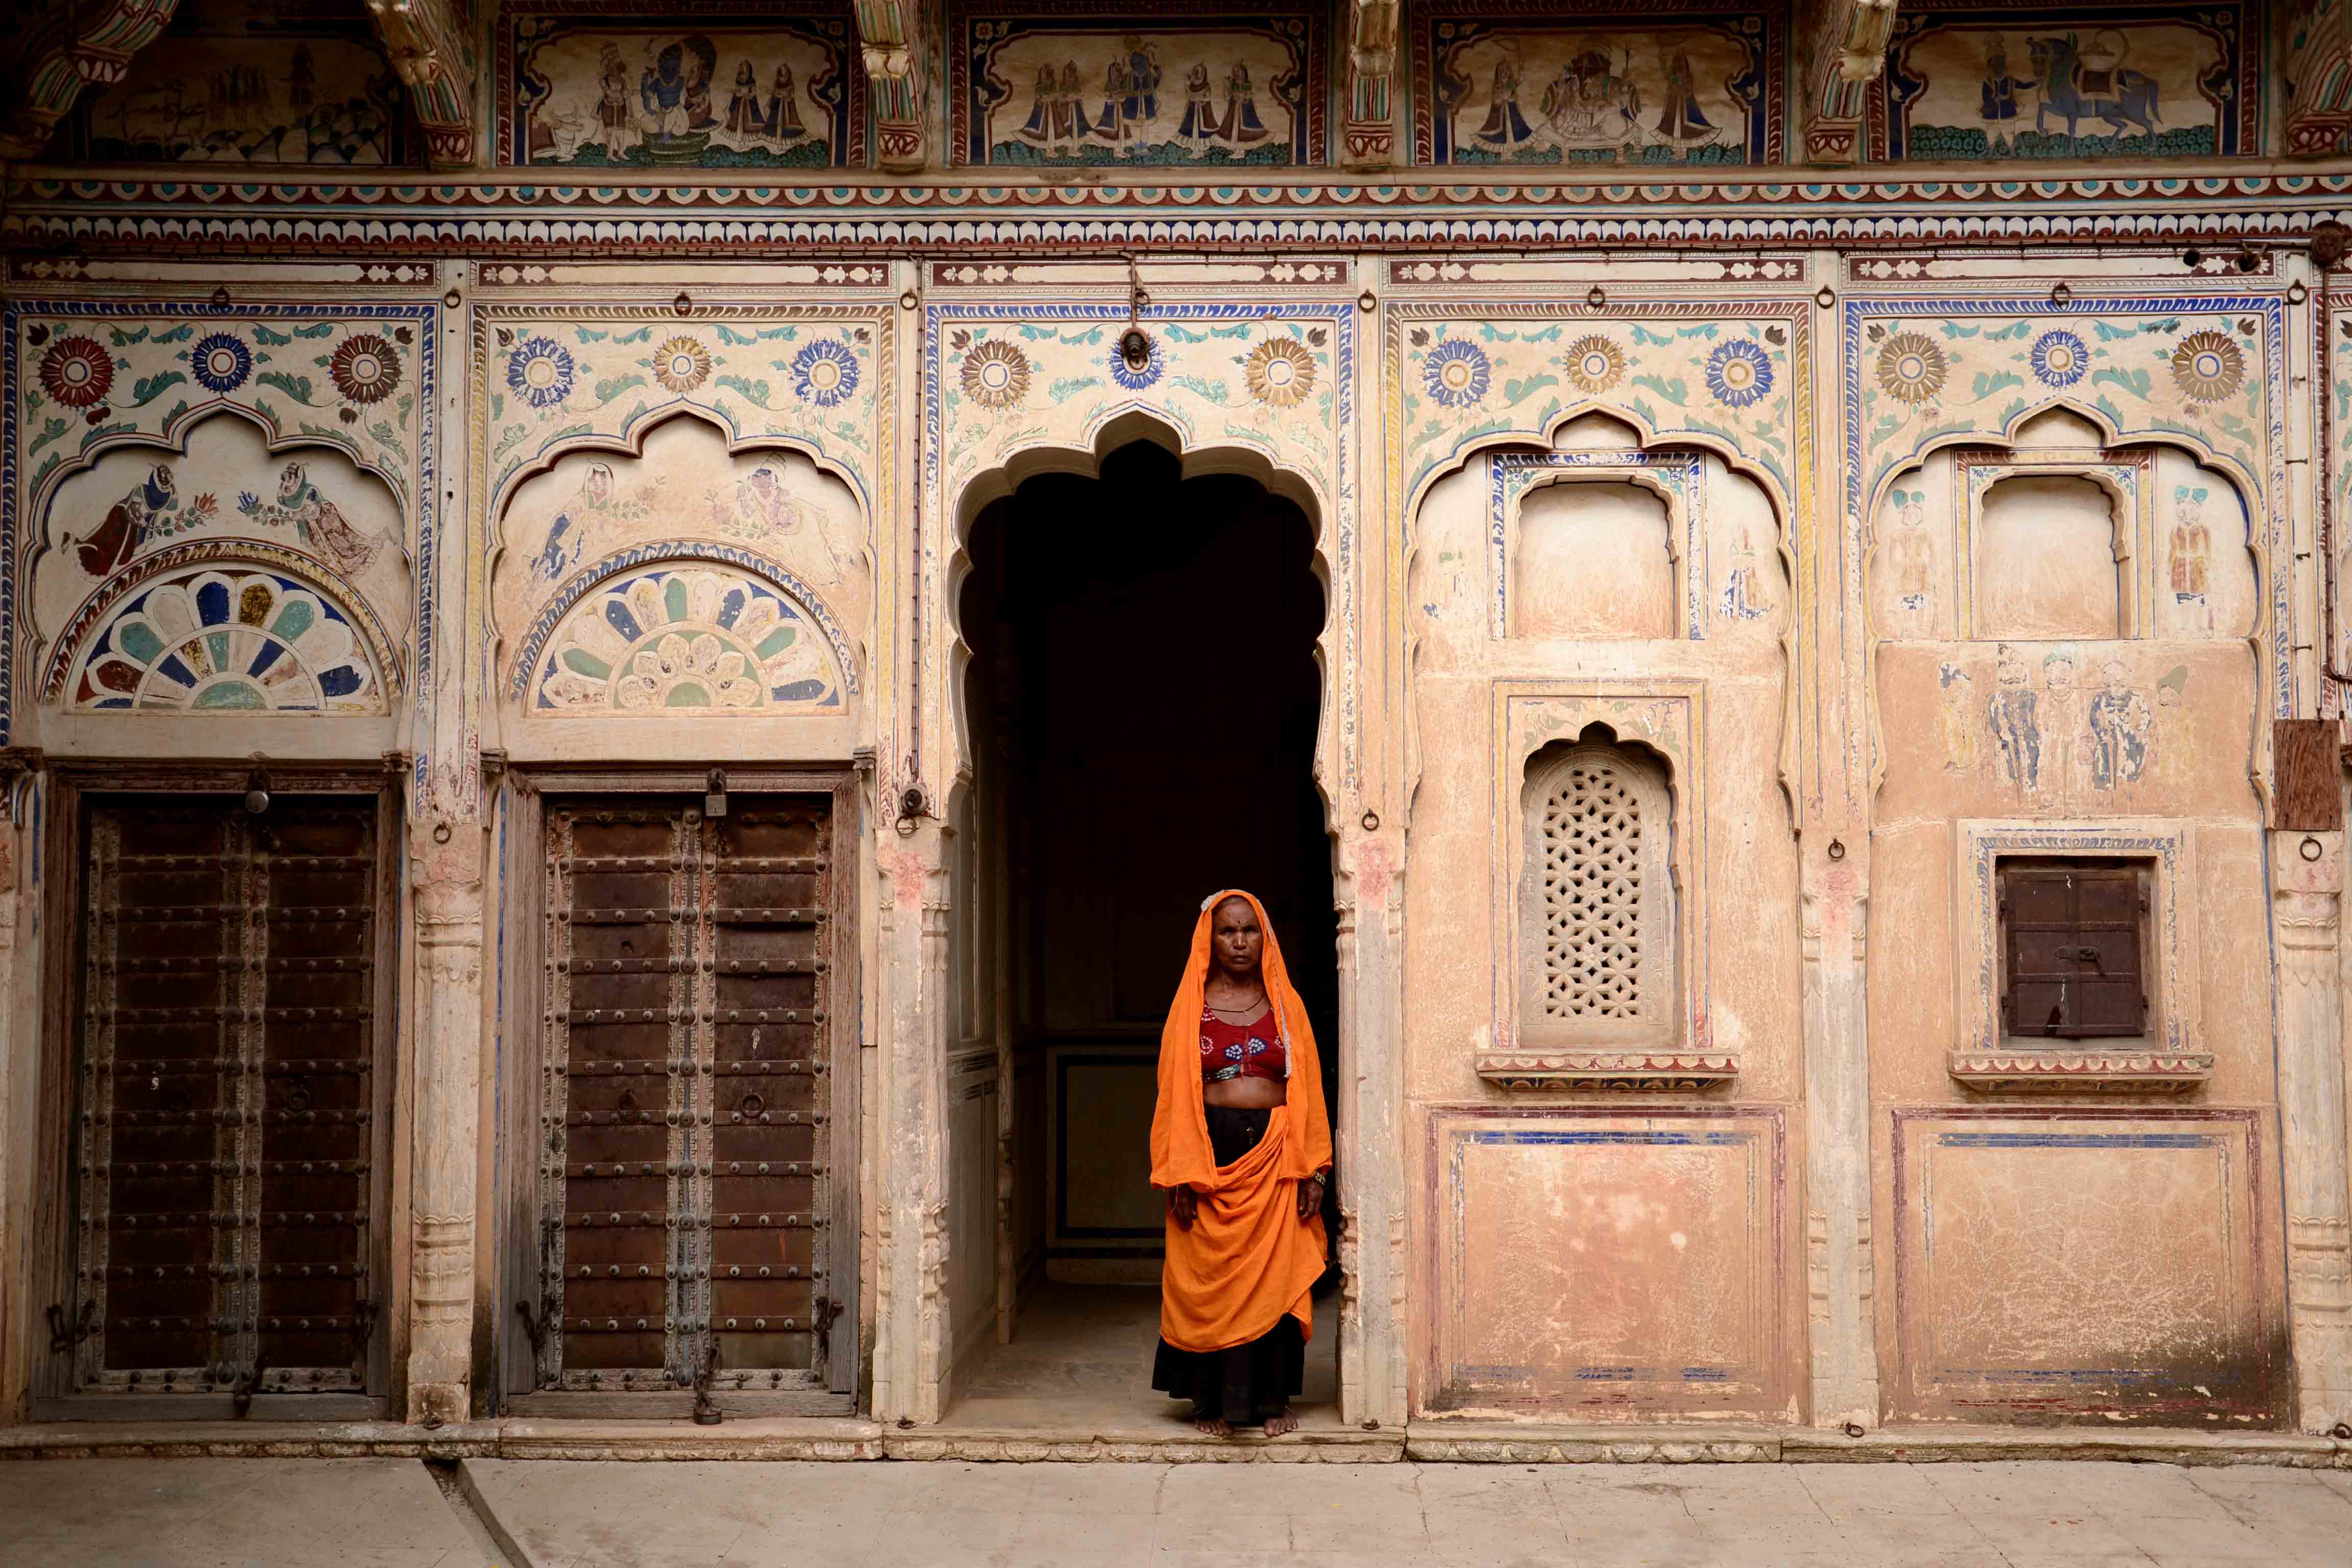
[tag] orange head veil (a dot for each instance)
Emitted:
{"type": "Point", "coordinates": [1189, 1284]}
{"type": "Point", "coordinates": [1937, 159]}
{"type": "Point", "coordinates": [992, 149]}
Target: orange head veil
{"type": "Point", "coordinates": [1181, 1155]}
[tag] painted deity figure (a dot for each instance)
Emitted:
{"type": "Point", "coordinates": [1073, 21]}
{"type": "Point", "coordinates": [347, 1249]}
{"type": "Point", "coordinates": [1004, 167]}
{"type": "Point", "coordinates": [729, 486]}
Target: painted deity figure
{"type": "Point", "coordinates": [1681, 120]}
{"type": "Point", "coordinates": [316, 520]}
{"type": "Point", "coordinates": [2191, 552]}
{"type": "Point", "coordinates": [1109, 124]}
{"type": "Point", "coordinates": [1743, 598]}
{"type": "Point", "coordinates": [2009, 715]}
{"type": "Point", "coordinates": [661, 91]}
{"type": "Point", "coordinates": [301, 79]}
{"type": "Point", "coordinates": [1910, 555]}
{"type": "Point", "coordinates": [785, 106]}
{"type": "Point", "coordinates": [2120, 728]}
{"type": "Point", "coordinates": [567, 536]}
{"type": "Point", "coordinates": [2062, 727]}
{"type": "Point", "coordinates": [128, 524]}
{"type": "Point", "coordinates": [1038, 129]}
{"type": "Point", "coordinates": [614, 130]}
{"type": "Point", "coordinates": [761, 508]}
{"type": "Point", "coordinates": [745, 116]}
{"type": "Point", "coordinates": [1956, 718]}
{"type": "Point", "coordinates": [1240, 125]}
{"type": "Point", "coordinates": [1506, 127]}
{"type": "Point", "coordinates": [1997, 94]}
{"type": "Point", "coordinates": [1198, 130]}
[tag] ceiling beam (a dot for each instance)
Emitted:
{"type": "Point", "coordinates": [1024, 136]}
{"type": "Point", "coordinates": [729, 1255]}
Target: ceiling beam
{"type": "Point", "coordinates": [78, 45]}
{"type": "Point", "coordinates": [1370, 134]}
{"type": "Point", "coordinates": [890, 38]}
{"type": "Point", "coordinates": [1846, 56]}
{"type": "Point", "coordinates": [431, 43]}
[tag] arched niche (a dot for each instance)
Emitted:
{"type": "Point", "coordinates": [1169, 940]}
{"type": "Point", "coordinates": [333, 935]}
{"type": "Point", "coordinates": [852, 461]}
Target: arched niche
{"type": "Point", "coordinates": [771, 515]}
{"type": "Point", "coordinates": [1594, 537]}
{"type": "Point", "coordinates": [2061, 534]}
{"type": "Point", "coordinates": [299, 526]}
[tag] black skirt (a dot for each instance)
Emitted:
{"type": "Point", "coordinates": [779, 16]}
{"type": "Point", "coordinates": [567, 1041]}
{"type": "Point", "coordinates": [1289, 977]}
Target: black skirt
{"type": "Point", "coordinates": [1249, 1382]}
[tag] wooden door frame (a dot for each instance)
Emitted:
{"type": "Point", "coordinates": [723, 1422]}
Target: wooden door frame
{"type": "Point", "coordinates": [63, 883]}
{"type": "Point", "coordinates": [505, 1362]}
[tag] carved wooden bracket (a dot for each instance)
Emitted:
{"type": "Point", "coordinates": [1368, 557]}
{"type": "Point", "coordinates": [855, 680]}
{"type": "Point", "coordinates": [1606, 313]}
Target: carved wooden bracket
{"type": "Point", "coordinates": [2318, 74]}
{"type": "Point", "coordinates": [1848, 54]}
{"type": "Point", "coordinates": [1370, 133]}
{"type": "Point", "coordinates": [890, 36]}
{"type": "Point", "coordinates": [78, 46]}
{"type": "Point", "coordinates": [431, 43]}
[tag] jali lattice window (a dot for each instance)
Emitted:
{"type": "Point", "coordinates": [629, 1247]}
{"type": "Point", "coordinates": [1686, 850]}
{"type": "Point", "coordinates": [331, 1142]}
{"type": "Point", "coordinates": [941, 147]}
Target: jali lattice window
{"type": "Point", "coordinates": [1596, 920]}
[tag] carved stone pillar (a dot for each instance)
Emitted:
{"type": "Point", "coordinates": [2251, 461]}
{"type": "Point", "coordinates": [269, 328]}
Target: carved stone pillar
{"type": "Point", "coordinates": [1371, 1174]}
{"type": "Point", "coordinates": [1370, 133]}
{"type": "Point", "coordinates": [446, 875]}
{"type": "Point", "coordinates": [911, 1273]}
{"type": "Point", "coordinates": [2308, 888]}
{"type": "Point", "coordinates": [1839, 1270]}
{"type": "Point", "coordinates": [890, 37]}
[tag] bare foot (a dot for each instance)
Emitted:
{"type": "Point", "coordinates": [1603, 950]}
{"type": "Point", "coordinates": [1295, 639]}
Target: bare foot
{"type": "Point", "coordinates": [1281, 1421]}
{"type": "Point", "coordinates": [1214, 1425]}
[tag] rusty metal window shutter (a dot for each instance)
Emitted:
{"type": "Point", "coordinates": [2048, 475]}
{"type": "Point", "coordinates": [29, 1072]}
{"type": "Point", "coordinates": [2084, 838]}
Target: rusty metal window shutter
{"type": "Point", "coordinates": [227, 1051]}
{"type": "Point", "coordinates": [682, 1177]}
{"type": "Point", "coordinates": [2072, 941]}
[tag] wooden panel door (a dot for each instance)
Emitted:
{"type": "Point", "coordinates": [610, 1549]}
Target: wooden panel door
{"type": "Point", "coordinates": [684, 1186]}
{"type": "Point", "coordinates": [222, 1172]}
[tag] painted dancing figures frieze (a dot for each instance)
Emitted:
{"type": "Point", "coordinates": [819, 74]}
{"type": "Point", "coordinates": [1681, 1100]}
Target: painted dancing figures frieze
{"type": "Point", "coordinates": [1172, 86]}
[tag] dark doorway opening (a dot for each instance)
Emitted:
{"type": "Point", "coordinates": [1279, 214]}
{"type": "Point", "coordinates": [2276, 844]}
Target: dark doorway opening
{"type": "Point", "coordinates": [1142, 699]}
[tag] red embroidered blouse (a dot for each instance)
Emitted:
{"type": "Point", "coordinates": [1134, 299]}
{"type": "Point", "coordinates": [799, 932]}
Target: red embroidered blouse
{"type": "Point", "coordinates": [1255, 1050]}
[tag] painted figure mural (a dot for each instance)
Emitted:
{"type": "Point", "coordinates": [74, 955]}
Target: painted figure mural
{"type": "Point", "coordinates": [1672, 87]}
{"type": "Point", "coordinates": [2081, 82]}
{"type": "Point", "coordinates": [710, 95]}
{"type": "Point", "coordinates": [1044, 91]}
{"type": "Point", "coordinates": [226, 88]}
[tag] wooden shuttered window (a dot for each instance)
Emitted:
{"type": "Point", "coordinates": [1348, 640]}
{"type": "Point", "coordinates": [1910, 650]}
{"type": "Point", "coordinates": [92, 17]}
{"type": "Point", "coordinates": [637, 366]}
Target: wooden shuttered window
{"type": "Point", "coordinates": [685, 1192]}
{"type": "Point", "coordinates": [225, 1174]}
{"type": "Point", "coordinates": [2073, 936]}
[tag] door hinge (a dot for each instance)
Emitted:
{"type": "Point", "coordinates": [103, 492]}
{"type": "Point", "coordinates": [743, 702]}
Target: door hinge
{"type": "Point", "coordinates": [536, 1325]}
{"type": "Point", "coordinates": [706, 1409]}
{"type": "Point", "coordinates": [828, 1310]}
{"type": "Point", "coordinates": [65, 1332]}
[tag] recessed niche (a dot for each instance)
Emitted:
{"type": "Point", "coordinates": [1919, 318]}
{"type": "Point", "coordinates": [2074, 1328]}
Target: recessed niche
{"type": "Point", "coordinates": [2045, 560]}
{"type": "Point", "coordinates": [1593, 561]}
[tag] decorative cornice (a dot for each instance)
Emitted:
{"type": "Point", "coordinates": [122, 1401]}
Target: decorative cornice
{"type": "Point", "coordinates": [159, 214]}
{"type": "Point", "coordinates": [1630, 1071]}
{"type": "Point", "coordinates": [2078, 1072]}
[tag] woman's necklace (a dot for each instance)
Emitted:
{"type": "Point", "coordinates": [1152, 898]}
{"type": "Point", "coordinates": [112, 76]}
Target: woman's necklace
{"type": "Point", "coordinates": [1247, 1011]}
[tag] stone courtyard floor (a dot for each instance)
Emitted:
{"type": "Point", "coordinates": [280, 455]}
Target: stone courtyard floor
{"type": "Point", "coordinates": [402, 1513]}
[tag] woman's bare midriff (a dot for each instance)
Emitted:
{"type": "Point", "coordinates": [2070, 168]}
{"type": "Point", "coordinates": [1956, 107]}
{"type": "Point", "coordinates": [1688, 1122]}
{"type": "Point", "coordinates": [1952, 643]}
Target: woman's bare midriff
{"type": "Point", "coordinates": [1246, 1093]}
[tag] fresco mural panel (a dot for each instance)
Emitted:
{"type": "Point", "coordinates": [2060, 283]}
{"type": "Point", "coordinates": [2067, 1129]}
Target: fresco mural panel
{"type": "Point", "coordinates": [1968, 81]}
{"type": "Point", "coordinates": [1502, 83]}
{"type": "Point", "coordinates": [247, 83]}
{"type": "Point", "coordinates": [591, 84]}
{"type": "Point", "coordinates": [1175, 86]}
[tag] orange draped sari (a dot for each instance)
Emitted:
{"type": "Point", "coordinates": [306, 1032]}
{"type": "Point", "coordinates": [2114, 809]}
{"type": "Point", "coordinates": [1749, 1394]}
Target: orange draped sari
{"type": "Point", "coordinates": [1247, 1258]}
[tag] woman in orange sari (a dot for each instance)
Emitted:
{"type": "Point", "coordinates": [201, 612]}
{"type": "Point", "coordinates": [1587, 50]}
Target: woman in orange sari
{"type": "Point", "coordinates": [1242, 1146]}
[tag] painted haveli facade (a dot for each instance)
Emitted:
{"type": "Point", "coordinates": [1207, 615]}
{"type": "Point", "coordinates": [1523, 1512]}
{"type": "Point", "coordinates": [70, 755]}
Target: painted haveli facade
{"type": "Point", "coordinates": [1828, 693]}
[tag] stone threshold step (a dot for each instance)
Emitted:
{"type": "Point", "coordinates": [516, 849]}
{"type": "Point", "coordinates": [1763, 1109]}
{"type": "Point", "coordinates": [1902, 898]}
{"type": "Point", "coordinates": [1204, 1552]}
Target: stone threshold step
{"type": "Point", "coordinates": [1442, 1441]}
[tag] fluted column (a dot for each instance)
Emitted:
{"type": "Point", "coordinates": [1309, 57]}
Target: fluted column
{"type": "Point", "coordinates": [446, 875]}
{"type": "Point", "coordinates": [2308, 886]}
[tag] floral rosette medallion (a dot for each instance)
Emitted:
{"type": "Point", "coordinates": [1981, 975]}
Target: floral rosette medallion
{"type": "Point", "coordinates": [1279, 373]}
{"type": "Point", "coordinates": [1456, 374]}
{"type": "Point", "coordinates": [824, 372]}
{"type": "Point", "coordinates": [1912, 368]}
{"type": "Point", "coordinates": [540, 372]}
{"type": "Point", "coordinates": [77, 372]}
{"type": "Point", "coordinates": [1739, 372]}
{"type": "Point", "coordinates": [2058, 359]}
{"type": "Point", "coordinates": [364, 368]}
{"type": "Point", "coordinates": [995, 375]}
{"type": "Point", "coordinates": [681, 364]}
{"type": "Point", "coordinates": [2209, 366]}
{"type": "Point", "coordinates": [220, 361]}
{"type": "Point", "coordinates": [1595, 365]}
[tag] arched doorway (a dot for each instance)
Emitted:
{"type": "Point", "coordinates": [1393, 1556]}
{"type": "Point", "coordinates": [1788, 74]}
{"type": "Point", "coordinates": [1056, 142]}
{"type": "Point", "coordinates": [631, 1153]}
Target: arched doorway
{"type": "Point", "coordinates": [1141, 706]}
